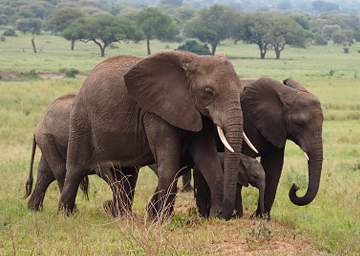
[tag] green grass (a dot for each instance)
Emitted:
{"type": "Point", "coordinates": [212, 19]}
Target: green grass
{"type": "Point", "coordinates": [331, 224]}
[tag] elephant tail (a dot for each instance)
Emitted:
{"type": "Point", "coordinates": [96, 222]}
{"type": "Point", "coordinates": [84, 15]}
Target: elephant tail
{"type": "Point", "coordinates": [29, 182]}
{"type": "Point", "coordinates": [84, 186]}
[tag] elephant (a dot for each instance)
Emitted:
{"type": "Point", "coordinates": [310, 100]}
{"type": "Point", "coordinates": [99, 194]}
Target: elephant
{"type": "Point", "coordinates": [52, 135]}
{"type": "Point", "coordinates": [137, 111]}
{"type": "Point", "coordinates": [273, 113]}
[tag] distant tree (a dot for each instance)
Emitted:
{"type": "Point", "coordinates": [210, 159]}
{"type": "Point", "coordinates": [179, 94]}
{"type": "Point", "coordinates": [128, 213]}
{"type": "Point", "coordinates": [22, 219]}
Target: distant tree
{"type": "Point", "coordinates": [329, 30]}
{"type": "Point", "coordinates": [285, 31]}
{"type": "Point", "coordinates": [62, 18]}
{"type": "Point", "coordinates": [345, 38]}
{"type": "Point", "coordinates": [156, 25]}
{"type": "Point", "coordinates": [32, 25]}
{"type": "Point", "coordinates": [102, 30]}
{"type": "Point", "coordinates": [195, 47]}
{"type": "Point", "coordinates": [256, 30]}
{"type": "Point", "coordinates": [211, 26]}
{"type": "Point", "coordinates": [4, 19]}
{"type": "Point", "coordinates": [324, 6]}
{"type": "Point", "coordinates": [272, 31]}
{"type": "Point", "coordinates": [172, 2]}
{"type": "Point", "coordinates": [319, 39]}
{"type": "Point", "coordinates": [9, 32]}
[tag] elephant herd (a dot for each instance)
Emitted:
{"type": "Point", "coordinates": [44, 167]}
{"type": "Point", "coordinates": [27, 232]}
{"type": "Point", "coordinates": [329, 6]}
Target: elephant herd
{"type": "Point", "coordinates": [175, 111]}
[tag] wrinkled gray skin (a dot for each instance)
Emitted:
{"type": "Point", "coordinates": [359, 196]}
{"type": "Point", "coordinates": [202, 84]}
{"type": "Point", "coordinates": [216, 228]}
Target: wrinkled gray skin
{"type": "Point", "coordinates": [138, 111]}
{"type": "Point", "coordinates": [256, 177]}
{"type": "Point", "coordinates": [273, 113]}
{"type": "Point", "coordinates": [52, 135]}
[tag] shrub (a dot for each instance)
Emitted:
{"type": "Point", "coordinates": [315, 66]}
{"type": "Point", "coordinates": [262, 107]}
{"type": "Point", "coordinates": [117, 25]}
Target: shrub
{"type": "Point", "coordinates": [195, 47]}
{"type": "Point", "coordinates": [9, 32]}
{"type": "Point", "coordinates": [72, 72]}
{"type": "Point", "coordinates": [320, 40]}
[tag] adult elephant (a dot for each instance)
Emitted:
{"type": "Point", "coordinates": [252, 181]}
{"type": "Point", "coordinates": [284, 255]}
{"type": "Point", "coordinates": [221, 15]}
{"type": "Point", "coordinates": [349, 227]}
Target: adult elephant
{"type": "Point", "coordinates": [274, 113]}
{"type": "Point", "coordinates": [136, 111]}
{"type": "Point", "coordinates": [51, 136]}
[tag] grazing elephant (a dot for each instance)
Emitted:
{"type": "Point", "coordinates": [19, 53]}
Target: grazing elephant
{"type": "Point", "coordinates": [139, 111]}
{"type": "Point", "coordinates": [52, 135]}
{"type": "Point", "coordinates": [273, 113]}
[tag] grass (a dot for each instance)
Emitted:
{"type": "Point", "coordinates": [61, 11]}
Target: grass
{"type": "Point", "coordinates": [330, 225]}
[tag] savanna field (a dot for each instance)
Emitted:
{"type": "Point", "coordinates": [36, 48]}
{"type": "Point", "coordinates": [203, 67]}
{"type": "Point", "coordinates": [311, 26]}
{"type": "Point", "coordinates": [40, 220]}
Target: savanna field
{"type": "Point", "coordinates": [328, 226]}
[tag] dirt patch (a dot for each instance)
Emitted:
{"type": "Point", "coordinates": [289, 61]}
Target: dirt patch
{"type": "Point", "coordinates": [8, 75]}
{"type": "Point", "coordinates": [50, 75]}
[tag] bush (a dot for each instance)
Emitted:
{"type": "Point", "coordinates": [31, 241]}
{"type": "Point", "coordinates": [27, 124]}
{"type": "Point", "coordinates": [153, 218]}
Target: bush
{"type": "Point", "coordinates": [9, 32]}
{"type": "Point", "coordinates": [320, 40]}
{"type": "Point", "coordinates": [2, 38]}
{"type": "Point", "coordinates": [72, 72]}
{"type": "Point", "coordinates": [195, 47]}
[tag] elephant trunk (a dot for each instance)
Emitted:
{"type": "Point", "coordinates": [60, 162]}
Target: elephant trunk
{"type": "Point", "coordinates": [314, 169]}
{"type": "Point", "coordinates": [233, 133]}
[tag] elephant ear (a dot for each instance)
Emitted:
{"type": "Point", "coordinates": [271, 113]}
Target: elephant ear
{"type": "Point", "coordinates": [159, 85]}
{"type": "Point", "coordinates": [262, 104]}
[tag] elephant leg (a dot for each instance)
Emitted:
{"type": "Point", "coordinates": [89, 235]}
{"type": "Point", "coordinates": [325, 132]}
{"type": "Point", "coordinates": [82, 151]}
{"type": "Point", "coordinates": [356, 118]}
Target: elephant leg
{"type": "Point", "coordinates": [56, 163]}
{"type": "Point", "coordinates": [238, 203]}
{"type": "Point", "coordinates": [202, 194]}
{"type": "Point", "coordinates": [204, 154]}
{"type": "Point", "coordinates": [186, 179]}
{"type": "Point", "coordinates": [272, 164]}
{"type": "Point", "coordinates": [122, 183]}
{"type": "Point", "coordinates": [43, 180]}
{"type": "Point", "coordinates": [78, 157]}
{"type": "Point", "coordinates": [165, 143]}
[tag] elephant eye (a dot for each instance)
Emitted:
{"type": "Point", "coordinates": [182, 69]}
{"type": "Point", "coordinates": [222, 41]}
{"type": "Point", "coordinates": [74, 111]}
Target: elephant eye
{"type": "Point", "coordinates": [209, 92]}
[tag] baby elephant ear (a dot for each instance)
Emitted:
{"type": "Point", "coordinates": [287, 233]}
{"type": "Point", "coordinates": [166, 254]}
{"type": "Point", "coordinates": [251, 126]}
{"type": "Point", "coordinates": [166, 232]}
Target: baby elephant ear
{"type": "Point", "coordinates": [159, 85]}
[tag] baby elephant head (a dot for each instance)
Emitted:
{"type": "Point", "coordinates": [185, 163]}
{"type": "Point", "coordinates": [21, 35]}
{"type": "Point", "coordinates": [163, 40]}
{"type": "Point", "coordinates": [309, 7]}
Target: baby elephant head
{"type": "Point", "coordinates": [256, 177]}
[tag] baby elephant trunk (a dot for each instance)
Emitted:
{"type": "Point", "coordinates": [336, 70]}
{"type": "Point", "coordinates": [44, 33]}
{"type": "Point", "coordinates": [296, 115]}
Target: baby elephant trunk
{"type": "Point", "coordinates": [261, 202]}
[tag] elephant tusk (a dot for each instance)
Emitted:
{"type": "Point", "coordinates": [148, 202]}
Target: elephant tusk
{"type": "Point", "coordinates": [306, 156]}
{"type": "Point", "coordinates": [224, 140]}
{"type": "Point", "coordinates": [249, 143]}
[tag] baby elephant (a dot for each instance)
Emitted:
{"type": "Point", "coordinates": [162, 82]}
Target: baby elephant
{"type": "Point", "coordinates": [52, 135]}
{"type": "Point", "coordinates": [256, 177]}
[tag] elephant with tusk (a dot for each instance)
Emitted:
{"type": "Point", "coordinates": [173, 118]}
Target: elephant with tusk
{"type": "Point", "coordinates": [138, 111]}
{"type": "Point", "coordinates": [273, 113]}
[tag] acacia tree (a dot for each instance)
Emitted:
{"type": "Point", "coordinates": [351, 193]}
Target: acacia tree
{"type": "Point", "coordinates": [285, 31]}
{"type": "Point", "coordinates": [256, 29]}
{"type": "Point", "coordinates": [211, 26]}
{"type": "Point", "coordinates": [61, 18]}
{"type": "Point", "coordinates": [102, 30]}
{"type": "Point", "coordinates": [156, 25]}
{"type": "Point", "coordinates": [32, 25]}
{"type": "Point", "coordinates": [272, 31]}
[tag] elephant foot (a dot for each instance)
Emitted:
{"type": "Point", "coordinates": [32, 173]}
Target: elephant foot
{"type": "Point", "coordinates": [264, 216]}
{"type": "Point", "coordinates": [116, 210]}
{"type": "Point", "coordinates": [35, 203]}
{"type": "Point", "coordinates": [67, 210]}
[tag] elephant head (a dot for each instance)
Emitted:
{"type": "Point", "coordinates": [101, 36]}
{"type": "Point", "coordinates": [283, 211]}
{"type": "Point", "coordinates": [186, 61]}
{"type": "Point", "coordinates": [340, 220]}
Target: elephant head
{"type": "Point", "coordinates": [289, 112]}
{"type": "Point", "coordinates": [182, 87]}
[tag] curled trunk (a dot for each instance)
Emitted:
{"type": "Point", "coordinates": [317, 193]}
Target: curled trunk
{"type": "Point", "coordinates": [314, 170]}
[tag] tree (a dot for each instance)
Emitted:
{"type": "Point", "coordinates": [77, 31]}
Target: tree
{"type": "Point", "coordinates": [172, 2]}
{"type": "Point", "coordinates": [102, 30]}
{"type": "Point", "coordinates": [32, 25]}
{"type": "Point", "coordinates": [323, 6]}
{"type": "Point", "coordinates": [156, 25]}
{"type": "Point", "coordinates": [285, 31]}
{"type": "Point", "coordinates": [256, 30]}
{"type": "Point", "coordinates": [211, 26]}
{"type": "Point", "coordinates": [62, 18]}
